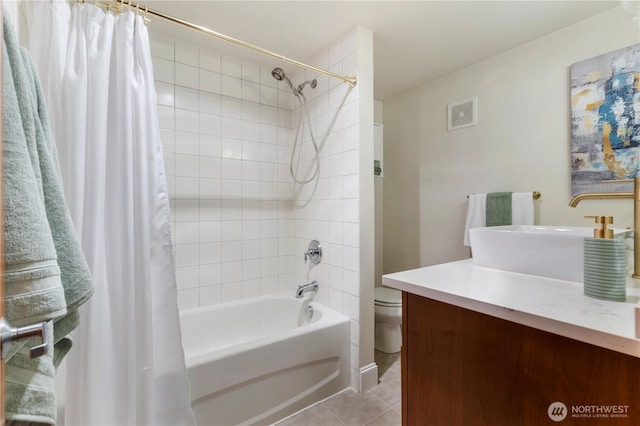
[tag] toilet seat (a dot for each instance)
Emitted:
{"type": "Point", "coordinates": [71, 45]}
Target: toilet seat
{"type": "Point", "coordinates": [388, 297]}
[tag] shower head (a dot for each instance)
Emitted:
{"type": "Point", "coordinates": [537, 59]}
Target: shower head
{"type": "Point", "coordinates": [278, 74]}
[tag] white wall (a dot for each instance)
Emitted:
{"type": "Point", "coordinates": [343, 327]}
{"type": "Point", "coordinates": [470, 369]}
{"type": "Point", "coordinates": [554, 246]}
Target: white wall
{"type": "Point", "coordinates": [521, 143]}
{"type": "Point", "coordinates": [241, 225]}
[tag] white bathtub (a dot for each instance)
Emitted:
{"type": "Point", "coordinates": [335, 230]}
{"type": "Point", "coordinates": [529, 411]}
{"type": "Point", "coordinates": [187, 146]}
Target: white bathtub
{"type": "Point", "coordinates": [259, 360]}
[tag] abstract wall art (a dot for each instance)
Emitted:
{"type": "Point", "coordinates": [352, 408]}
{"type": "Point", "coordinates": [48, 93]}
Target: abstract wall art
{"type": "Point", "coordinates": [605, 121]}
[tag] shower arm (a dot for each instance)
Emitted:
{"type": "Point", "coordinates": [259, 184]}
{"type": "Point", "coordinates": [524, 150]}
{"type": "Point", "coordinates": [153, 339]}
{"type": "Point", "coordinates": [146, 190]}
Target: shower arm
{"type": "Point", "coordinates": [350, 80]}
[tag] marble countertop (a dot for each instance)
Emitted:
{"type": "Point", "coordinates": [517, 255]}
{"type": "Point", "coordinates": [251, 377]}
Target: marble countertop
{"type": "Point", "coordinates": [555, 306]}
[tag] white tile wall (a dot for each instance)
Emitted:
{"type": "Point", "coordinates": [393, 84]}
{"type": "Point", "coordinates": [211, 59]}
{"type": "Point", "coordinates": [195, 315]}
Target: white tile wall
{"type": "Point", "coordinates": [240, 224]}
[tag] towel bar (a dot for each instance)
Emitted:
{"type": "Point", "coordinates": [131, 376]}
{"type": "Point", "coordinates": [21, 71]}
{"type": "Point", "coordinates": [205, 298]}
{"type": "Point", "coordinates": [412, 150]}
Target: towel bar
{"type": "Point", "coordinates": [536, 195]}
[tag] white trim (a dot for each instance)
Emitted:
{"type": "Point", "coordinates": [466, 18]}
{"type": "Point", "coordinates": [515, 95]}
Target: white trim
{"type": "Point", "coordinates": [368, 377]}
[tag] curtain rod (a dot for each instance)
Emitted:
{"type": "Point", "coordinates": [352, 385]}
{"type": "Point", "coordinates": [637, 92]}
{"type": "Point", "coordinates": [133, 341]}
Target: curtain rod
{"type": "Point", "coordinates": [351, 81]}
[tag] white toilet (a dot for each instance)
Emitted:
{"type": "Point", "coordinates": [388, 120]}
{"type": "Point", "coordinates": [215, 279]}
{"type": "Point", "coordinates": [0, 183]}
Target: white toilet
{"type": "Point", "coordinates": [388, 318]}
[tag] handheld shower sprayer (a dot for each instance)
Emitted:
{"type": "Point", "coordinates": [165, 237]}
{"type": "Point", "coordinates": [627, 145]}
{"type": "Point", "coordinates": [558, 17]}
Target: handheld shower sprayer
{"type": "Point", "coordinates": [278, 74]}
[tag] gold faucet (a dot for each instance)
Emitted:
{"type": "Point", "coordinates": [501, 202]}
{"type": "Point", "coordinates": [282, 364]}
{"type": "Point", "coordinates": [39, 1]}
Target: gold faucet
{"type": "Point", "coordinates": [635, 195]}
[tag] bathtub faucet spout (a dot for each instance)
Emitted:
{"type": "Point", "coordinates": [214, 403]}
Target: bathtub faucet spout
{"type": "Point", "coordinates": [302, 289]}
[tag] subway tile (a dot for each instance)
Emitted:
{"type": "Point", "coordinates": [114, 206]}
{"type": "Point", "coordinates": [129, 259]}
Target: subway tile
{"type": "Point", "coordinates": [162, 47]}
{"type": "Point", "coordinates": [210, 295]}
{"type": "Point", "coordinates": [231, 149]}
{"type": "Point", "coordinates": [186, 76]}
{"type": "Point", "coordinates": [250, 288]}
{"type": "Point", "coordinates": [186, 211]}
{"type": "Point", "coordinates": [335, 54]}
{"type": "Point", "coordinates": [266, 78]}
{"type": "Point", "coordinates": [210, 274]}
{"type": "Point", "coordinates": [231, 128]}
{"type": "Point", "coordinates": [268, 133]}
{"type": "Point", "coordinates": [251, 209]}
{"type": "Point", "coordinates": [210, 210]}
{"type": "Point", "coordinates": [231, 230]}
{"type": "Point", "coordinates": [187, 165]}
{"type": "Point", "coordinates": [187, 143]}
{"type": "Point", "coordinates": [187, 233]}
{"type": "Point", "coordinates": [210, 146]}
{"type": "Point", "coordinates": [268, 96]}
{"type": "Point", "coordinates": [250, 169]}
{"type": "Point", "coordinates": [210, 231]}
{"type": "Point", "coordinates": [351, 258]}
{"type": "Point", "coordinates": [231, 272]}
{"type": "Point", "coordinates": [351, 282]}
{"type": "Point", "coordinates": [251, 150]}
{"type": "Point", "coordinates": [165, 93]}
{"type": "Point", "coordinates": [231, 86]}
{"type": "Point", "coordinates": [269, 285]}
{"type": "Point", "coordinates": [167, 137]}
{"type": "Point", "coordinates": [251, 131]}
{"type": "Point", "coordinates": [232, 66]}
{"type": "Point", "coordinates": [210, 167]}
{"type": "Point", "coordinates": [231, 291]}
{"type": "Point", "coordinates": [188, 299]}
{"type": "Point", "coordinates": [186, 121]}
{"type": "Point", "coordinates": [251, 189]}
{"type": "Point", "coordinates": [231, 107]}
{"type": "Point", "coordinates": [186, 98]}
{"type": "Point", "coordinates": [209, 81]}
{"type": "Point", "coordinates": [210, 253]}
{"type": "Point", "coordinates": [231, 251]}
{"type": "Point", "coordinates": [251, 71]}
{"type": "Point", "coordinates": [210, 103]}
{"type": "Point", "coordinates": [251, 112]}
{"type": "Point", "coordinates": [163, 70]}
{"type": "Point", "coordinates": [166, 117]}
{"type": "Point", "coordinates": [209, 125]}
{"type": "Point", "coordinates": [187, 277]}
{"type": "Point", "coordinates": [210, 188]}
{"type": "Point", "coordinates": [352, 234]}
{"type": "Point", "coordinates": [350, 64]}
{"type": "Point", "coordinates": [251, 91]}
{"type": "Point", "coordinates": [187, 187]}
{"type": "Point", "coordinates": [250, 269]}
{"type": "Point", "coordinates": [350, 138]}
{"type": "Point", "coordinates": [230, 188]}
{"type": "Point", "coordinates": [351, 186]}
{"type": "Point", "coordinates": [186, 53]}
{"type": "Point", "coordinates": [350, 162]}
{"type": "Point", "coordinates": [210, 60]}
{"type": "Point", "coordinates": [231, 168]}
{"type": "Point", "coordinates": [250, 247]}
{"type": "Point", "coordinates": [187, 255]}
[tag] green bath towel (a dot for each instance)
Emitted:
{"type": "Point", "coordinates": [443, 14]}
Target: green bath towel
{"type": "Point", "coordinates": [498, 208]}
{"type": "Point", "coordinates": [46, 276]}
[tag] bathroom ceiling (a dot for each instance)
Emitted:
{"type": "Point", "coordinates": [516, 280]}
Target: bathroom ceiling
{"type": "Point", "coordinates": [414, 41]}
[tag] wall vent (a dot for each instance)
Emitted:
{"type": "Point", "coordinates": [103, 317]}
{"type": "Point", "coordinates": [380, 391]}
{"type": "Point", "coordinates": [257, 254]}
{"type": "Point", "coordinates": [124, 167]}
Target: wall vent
{"type": "Point", "coordinates": [462, 114]}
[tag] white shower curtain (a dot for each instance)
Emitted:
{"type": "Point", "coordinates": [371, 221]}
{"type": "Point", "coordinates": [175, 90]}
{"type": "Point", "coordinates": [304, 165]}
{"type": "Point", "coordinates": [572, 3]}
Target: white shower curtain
{"type": "Point", "coordinates": [127, 365]}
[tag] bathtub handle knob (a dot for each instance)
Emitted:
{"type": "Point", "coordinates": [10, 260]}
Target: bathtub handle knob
{"type": "Point", "coordinates": [314, 252]}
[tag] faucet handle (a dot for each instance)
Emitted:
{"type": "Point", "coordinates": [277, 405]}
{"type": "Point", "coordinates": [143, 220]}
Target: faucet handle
{"type": "Point", "coordinates": [314, 252]}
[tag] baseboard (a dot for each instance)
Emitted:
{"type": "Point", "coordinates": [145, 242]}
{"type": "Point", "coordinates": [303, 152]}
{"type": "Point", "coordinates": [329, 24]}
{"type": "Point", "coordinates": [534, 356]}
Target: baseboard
{"type": "Point", "coordinates": [368, 377]}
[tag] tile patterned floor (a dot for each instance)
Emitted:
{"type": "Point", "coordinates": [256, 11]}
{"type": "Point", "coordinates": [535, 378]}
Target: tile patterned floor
{"type": "Point", "coordinates": [378, 407]}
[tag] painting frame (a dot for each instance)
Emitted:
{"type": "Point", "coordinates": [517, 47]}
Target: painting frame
{"type": "Point", "coordinates": [605, 122]}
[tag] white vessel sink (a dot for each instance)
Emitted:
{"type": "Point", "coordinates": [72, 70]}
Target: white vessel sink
{"type": "Point", "coordinates": [547, 251]}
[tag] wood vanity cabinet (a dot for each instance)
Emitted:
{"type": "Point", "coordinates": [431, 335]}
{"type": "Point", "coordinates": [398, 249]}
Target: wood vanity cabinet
{"type": "Point", "coordinates": [461, 367]}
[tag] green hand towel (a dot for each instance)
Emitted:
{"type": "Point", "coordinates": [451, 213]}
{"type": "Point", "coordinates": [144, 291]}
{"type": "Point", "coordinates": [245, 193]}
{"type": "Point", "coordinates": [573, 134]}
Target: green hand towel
{"type": "Point", "coordinates": [498, 208]}
{"type": "Point", "coordinates": [46, 276]}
